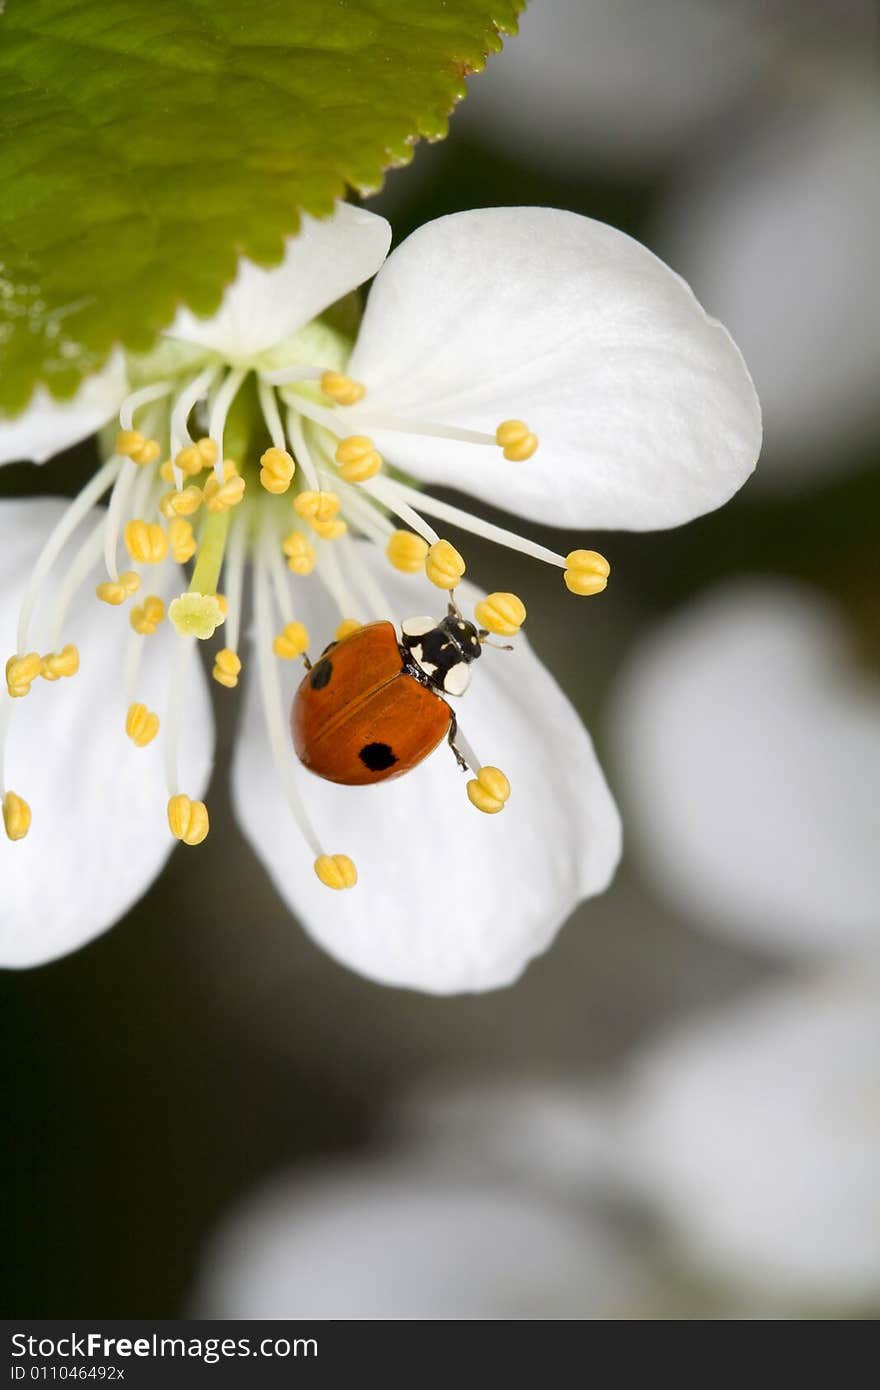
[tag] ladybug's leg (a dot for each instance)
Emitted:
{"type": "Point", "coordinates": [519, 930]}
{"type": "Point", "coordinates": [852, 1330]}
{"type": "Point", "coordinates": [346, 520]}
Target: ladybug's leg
{"type": "Point", "coordinates": [450, 739]}
{"type": "Point", "coordinates": [488, 789]}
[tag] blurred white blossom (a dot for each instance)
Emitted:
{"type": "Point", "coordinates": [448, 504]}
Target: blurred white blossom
{"type": "Point", "coordinates": [756, 1136]}
{"type": "Point", "coordinates": [780, 239]}
{"type": "Point", "coordinates": [399, 1239]}
{"type": "Point", "coordinates": [748, 747]}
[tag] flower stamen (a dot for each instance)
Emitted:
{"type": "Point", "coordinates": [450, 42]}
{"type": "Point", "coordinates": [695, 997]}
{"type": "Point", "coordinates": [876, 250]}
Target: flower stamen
{"type": "Point", "coordinates": [181, 540]}
{"type": "Point", "coordinates": [503, 614]}
{"type": "Point", "coordinates": [586, 572]}
{"type": "Point", "coordinates": [188, 820]}
{"type": "Point", "coordinates": [489, 790]}
{"type": "Point", "coordinates": [444, 566]}
{"type": "Point", "coordinates": [141, 725]}
{"type": "Point", "coordinates": [516, 440]}
{"type": "Point", "coordinates": [146, 617]}
{"type": "Point", "coordinates": [273, 713]}
{"type": "Point", "coordinates": [181, 502]}
{"type": "Point", "coordinates": [21, 672]}
{"type": "Point", "coordinates": [224, 489]}
{"type": "Point", "coordinates": [358, 458]}
{"type": "Point", "coordinates": [276, 470]}
{"type": "Point", "coordinates": [63, 663]}
{"type": "Point", "coordinates": [145, 542]}
{"type": "Point", "coordinates": [115, 593]}
{"type": "Point", "coordinates": [342, 389]}
{"type": "Point", "coordinates": [16, 816]}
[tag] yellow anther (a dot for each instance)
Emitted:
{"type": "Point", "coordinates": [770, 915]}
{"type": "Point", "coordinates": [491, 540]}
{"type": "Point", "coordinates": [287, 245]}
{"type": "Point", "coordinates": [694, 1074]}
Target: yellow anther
{"type": "Point", "coordinates": [329, 530]}
{"type": "Point", "coordinates": [147, 616]}
{"type": "Point", "coordinates": [63, 663]}
{"type": "Point", "coordinates": [516, 440]}
{"type": "Point", "coordinates": [443, 565]}
{"type": "Point", "coordinates": [181, 539]}
{"type": "Point", "coordinates": [276, 470]}
{"type": "Point", "coordinates": [316, 506]}
{"type": "Point", "coordinates": [358, 458]}
{"type": "Point", "coordinates": [207, 451]}
{"type": "Point", "coordinates": [166, 472]}
{"type": "Point", "coordinates": [226, 668]}
{"type": "Point", "coordinates": [503, 614]}
{"type": "Point", "coordinates": [224, 604]}
{"type": "Point", "coordinates": [16, 816]}
{"type": "Point", "coordinates": [336, 871]}
{"type": "Point", "coordinates": [195, 615]}
{"type": "Point", "coordinates": [183, 503]}
{"type": "Point", "coordinates": [132, 444]}
{"type": "Point", "coordinates": [146, 542]}
{"type": "Point", "coordinates": [342, 389]}
{"type": "Point", "coordinates": [406, 551]}
{"type": "Point", "coordinates": [118, 590]}
{"type": "Point", "coordinates": [141, 725]}
{"type": "Point", "coordinates": [300, 553]}
{"type": "Point", "coordinates": [346, 628]}
{"type": "Point", "coordinates": [292, 642]}
{"type": "Point", "coordinates": [188, 820]}
{"type": "Point", "coordinates": [126, 440]}
{"type": "Point", "coordinates": [189, 461]}
{"type": "Point", "coordinates": [21, 672]}
{"type": "Point", "coordinates": [489, 790]}
{"type": "Point", "coordinates": [586, 572]}
{"type": "Point", "coordinates": [219, 497]}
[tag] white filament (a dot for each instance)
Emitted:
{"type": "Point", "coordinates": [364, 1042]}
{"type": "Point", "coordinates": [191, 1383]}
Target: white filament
{"type": "Point", "coordinates": [475, 524]}
{"type": "Point", "coordinates": [387, 492]}
{"type": "Point", "coordinates": [144, 396]}
{"type": "Point", "coordinates": [273, 707]}
{"type": "Point", "coordinates": [85, 560]}
{"type": "Point", "coordinates": [220, 407]}
{"type": "Point", "coordinates": [119, 499]}
{"type": "Point", "coordinates": [301, 450]}
{"type": "Point", "coordinates": [271, 413]}
{"type": "Point", "coordinates": [233, 580]}
{"type": "Point", "coordinates": [174, 709]}
{"type": "Point", "coordinates": [58, 538]}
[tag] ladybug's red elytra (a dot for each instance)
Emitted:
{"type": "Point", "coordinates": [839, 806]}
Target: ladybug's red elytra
{"type": "Point", "coordinates": [373, 707]}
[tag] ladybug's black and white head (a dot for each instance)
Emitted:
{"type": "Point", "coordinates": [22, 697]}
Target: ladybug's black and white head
{"type": "Point", "coordinates": [442, 651]}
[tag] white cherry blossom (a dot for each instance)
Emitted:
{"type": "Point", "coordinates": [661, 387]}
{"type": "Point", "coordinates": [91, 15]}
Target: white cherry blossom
{"type": "Point", "coordinates": [533, 358]}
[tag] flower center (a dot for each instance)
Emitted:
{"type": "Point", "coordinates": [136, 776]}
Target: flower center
{"type": "Point", "coordinates": [284, 469]}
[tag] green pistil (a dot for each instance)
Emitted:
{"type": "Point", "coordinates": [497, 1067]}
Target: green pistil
{"type": "Point", "coordinates": [212, 546]}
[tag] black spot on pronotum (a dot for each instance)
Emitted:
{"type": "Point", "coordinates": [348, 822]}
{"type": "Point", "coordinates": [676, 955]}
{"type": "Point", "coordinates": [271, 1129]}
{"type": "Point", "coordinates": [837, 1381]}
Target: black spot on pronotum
{"type": "Point", "coordinates": [320, 674]}
{"type": "Point", "coordinates": [377, 756]}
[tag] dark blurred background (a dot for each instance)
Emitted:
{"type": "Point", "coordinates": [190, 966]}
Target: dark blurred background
{"type": "Point", "coordinates": [159, 1074]}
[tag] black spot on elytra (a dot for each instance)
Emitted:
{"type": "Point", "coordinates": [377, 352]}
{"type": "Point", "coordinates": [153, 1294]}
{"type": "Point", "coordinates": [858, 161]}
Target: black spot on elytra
{"type": "Point", "coordinates": [320, 674]}
{"type": "Point", "coordinates": [377, 756]}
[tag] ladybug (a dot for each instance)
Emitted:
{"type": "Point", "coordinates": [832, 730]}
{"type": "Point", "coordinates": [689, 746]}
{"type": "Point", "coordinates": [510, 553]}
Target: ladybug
{"type": "Point", "coordinates": [373, 707]}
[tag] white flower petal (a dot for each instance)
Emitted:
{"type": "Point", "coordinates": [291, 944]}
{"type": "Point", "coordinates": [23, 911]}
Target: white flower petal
{"type": "Point", "coordinates": [448, 899]}
{"type": "Point", "coordinates": [47, 426]}
{"type": "Point", "coordinates": [757, 1135]}
{"type": "Point", "coordinates": [407, 1242]}
{"type": "Point", "coordinates": [645, 412]}
{"type": "Point", "coordinates": [780, 238]}
{"type": "Point", "coordinates": [323, 262]}
{"type": "Point", "coordinates": [99, 834]}
{"type": "Point", "coordinates": [750, 757]}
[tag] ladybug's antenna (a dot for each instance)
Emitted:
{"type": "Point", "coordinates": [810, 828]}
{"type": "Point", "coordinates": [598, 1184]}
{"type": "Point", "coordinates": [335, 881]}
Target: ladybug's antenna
{"type": "Point", "coordinates": [483, 636]}
{"type": "Point", "coordinates": [453, 609]}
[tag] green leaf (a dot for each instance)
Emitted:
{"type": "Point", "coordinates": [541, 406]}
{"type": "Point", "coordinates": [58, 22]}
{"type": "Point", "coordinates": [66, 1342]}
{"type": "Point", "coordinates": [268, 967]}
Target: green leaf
{"type": "Point", "coordinates": [146, 144]}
